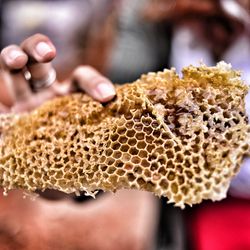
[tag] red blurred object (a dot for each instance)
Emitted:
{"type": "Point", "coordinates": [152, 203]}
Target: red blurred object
{"type": "Point", "coordinates": [221, 225]}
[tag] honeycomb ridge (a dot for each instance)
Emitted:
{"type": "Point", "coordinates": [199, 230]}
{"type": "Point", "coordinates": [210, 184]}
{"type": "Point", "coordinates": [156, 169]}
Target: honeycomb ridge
{"type": "Point", "coordinates": [181, 138]}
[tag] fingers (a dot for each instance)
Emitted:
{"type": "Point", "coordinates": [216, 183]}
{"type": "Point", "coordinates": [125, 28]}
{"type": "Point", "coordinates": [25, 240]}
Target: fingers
{"type": "Point", "coordinates": [13, 60]}
{"type": "Point", "coordinates": [40, 51]}
{"type": "Point", "coordinates": [96, 85]}
{"type": "Point", "coordinates": [33, 55]}
{"type": "Point", "coordinates": [13, 57]}
{"type": "Point", "coordinates": [39, 48]}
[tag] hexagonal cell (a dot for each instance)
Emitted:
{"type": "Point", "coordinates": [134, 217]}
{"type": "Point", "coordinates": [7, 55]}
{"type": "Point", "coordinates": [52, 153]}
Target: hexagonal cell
{"type": "Point", "coordinates": [123, 139]}
{"type": "Point", "coordinates": [161, 160]}
{"type": "Point", "coordinates": [116, 154]}
{"type": "Point", "coordinates": [149, 186]}
{"type": "Point", "coordinates": [129, 124]}
{"type": "Point", "coordinates": [168, 144]}
{"type": "Point", "coordinates": [184, 190]}
{"type": "Point", "coordinates": [126, 157]}
{"type": "Point", "coordinates": [130, 133]}
{"type": "Point", "coordinates": [195, 159]}
{"type": "Point", "coordinates": [113, 179]}
{"type": "Point", "coordinates": [68, 176]}
{"type": "Point", "coordinates": [111, 170]}
{"type": "Point", "coordinates": [59, 174]}
{"type": "Point", "coordinates": [197, 170]}
{"type": "Point", "coordinates": [37, 175]}
{"type": "Point", "coordinates": [187, 163]}
{"type": "Point", "coordinates": [177, 148]}
{"type": "Point", "coordinates": [128, 116]}
{"type": "Point", "coordinates": [67, 167]}
{"type": "Point", "coordinates": [133, 151]}
{"type": "Point", "coordinates": [159, 150]}
{"type": "Point", "coordinates": [114, 137]}
{"type": "Point", "coordinates": [148, 130]}
{"type": "Point", "coordinates": [131, 177]}
{"type": "Point", "coordinates": [147, 172]}
{"type": "Point", "coordinates": [102, 159]}
{"type": "Point", "coordinates": [154, 124]}
{"type": "Point", "coordinates": [132, 141]}
{"type": "Point", "coordinates": [149, 139]}
{"type": "Point", "coordinates": [110, 161]}
{"type": "Point", "coordinates": [141, 144]}
{"type": "Point", "coordinates": [128, 166]}
{"type": "Point", "coordinates": [139, 136]}
{"type": "Point", "coordinates": [103, 167]}
{"type": "Point", "coordinates": [171, 176]}
{"type": "Point", "coordinates": [164, 184]}
{"type": "Point", "coordinates": [124, 148]}
{"type": "Point", "coordinates": [108, 152]}
{"type": "Point", "coordinates": [120, 172]}
{"type": "Point", "coordinates": [156, 177]}
{"type": "Point", "coordinates": [154, 166]}
{"type": "Point", "coordinates": [208, 185]}
{"type": "Point", "coordinates": [115, 146]}
{"type": "Point", "coordinates": [146, 121]}
{"type": "Point", "coordinates": [57, 151]}
{"type": "Point", "coordinates": [170, 154]}
{"type": "Point", "coordinates": [143, 153]}
{"type": "Point", "coordinates": [137, 116]}
{"type": "Point", "coordinates": [150, 148]}
{"type": "Point", "coordinates": [59, 165]}
{"type": "Point", "coordinates": [135, 160]}
{"type": "Point", "coordinates": [121, 130]}
{"type": "Point", "coordinates": [196, 148]}
{"type": "Point", "coordinates": [179, 158]}
{"type": "Point", "coordinates": [145, 163]}
{"type": "Point", "coordinates": [137, 169]}
{"type": "Point", "coordinates": [180, 180]}
{"type": "Point", "coordinates": [141, 182]}
{"type": "Point", "coordinates": [174, 187]}
{"type": "Point", "coordinates": [189, 174]}
{"type": "Point", "coordinates": [119, 163]}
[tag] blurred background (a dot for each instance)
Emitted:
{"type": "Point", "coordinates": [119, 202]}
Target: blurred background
{"type": "Point", "coordinates": [124, 39]}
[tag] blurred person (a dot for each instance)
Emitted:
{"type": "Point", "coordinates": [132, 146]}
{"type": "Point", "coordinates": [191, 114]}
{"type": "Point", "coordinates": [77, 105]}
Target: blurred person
{"type": "Point", "coordinates": [128, 219]}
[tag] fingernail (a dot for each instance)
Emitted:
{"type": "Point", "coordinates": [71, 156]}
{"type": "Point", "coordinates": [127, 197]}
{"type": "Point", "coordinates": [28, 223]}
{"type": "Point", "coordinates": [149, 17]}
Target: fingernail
{"type": "Point", "coordinates": [14, 54]}
{"type": "Point", "coordinates": [105, 90]}
{"type": "Point", "coordinates": [43, 49]}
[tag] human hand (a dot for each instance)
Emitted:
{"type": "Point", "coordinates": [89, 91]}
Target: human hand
{"type": "Point", "coordinates": [34, 55]}
{"type": "Point", "coordinates": [45, 224]}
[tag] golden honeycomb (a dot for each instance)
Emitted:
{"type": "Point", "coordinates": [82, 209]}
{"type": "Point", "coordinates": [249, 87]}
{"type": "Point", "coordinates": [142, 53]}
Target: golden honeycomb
{"type": "Point", "coordinates": [181, 138]}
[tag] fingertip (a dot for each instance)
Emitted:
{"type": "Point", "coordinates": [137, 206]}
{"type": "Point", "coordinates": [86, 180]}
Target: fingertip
{"type": "Point", "coordinates": [105, 92]}
{"type": "Point", "coordinates": [14, 58]}
{"type": "Point", "coordinates": [44, 52]}
{"type": "Point", "coordinates": [19, 62]}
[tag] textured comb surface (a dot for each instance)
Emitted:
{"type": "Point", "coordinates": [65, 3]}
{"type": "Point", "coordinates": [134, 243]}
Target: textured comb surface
{"type": "Point", "coordinates": [182, 138]}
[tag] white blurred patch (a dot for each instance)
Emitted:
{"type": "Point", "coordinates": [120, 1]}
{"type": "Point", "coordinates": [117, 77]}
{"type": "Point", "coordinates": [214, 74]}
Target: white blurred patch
{"type": "Point", "coordinates": [187, 49]}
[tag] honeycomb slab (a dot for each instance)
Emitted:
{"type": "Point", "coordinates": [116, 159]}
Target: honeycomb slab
{"type": "Point", "coordinates": [181, 138]}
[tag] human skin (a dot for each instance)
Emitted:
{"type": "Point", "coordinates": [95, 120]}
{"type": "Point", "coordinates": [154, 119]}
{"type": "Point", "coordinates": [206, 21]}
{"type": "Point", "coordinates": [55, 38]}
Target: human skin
{"type": "Point", "coordinates": [127, 219]}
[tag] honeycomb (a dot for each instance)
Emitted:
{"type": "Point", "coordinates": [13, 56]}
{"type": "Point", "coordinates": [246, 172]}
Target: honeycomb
{"type": "Point", "coordinates": [180, 138]}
